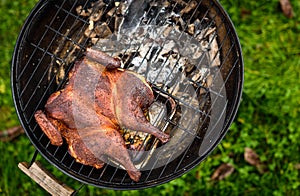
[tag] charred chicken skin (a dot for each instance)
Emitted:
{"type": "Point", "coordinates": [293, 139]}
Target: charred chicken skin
{"type": "Point", "coordinates": [97, 102]}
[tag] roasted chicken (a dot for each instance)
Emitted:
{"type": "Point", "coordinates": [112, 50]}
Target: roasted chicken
{"type": "Point", "coordinates": [99, 100]}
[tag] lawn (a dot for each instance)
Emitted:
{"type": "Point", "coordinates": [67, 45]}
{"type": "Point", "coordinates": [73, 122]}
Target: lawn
{"type": "Point", "coordinates": [267, 121]}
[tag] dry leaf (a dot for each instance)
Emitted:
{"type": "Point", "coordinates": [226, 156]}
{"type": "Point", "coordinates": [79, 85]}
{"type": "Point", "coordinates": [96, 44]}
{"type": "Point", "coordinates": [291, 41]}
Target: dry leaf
{"type": "Point", "coordinates": [253, 159]}
{"type": "Point", "coordinates": [11, 133]}
{"type": "Point", "coordinates": [297, 166]}
{"type": "Point", "coordinates": [286, 8]}
{"type": "Point", "coordinates": [222, 171]}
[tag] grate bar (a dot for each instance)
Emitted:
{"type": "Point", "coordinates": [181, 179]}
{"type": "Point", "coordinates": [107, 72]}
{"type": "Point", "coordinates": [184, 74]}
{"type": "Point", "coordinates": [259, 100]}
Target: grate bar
{"type": "Point", "coordinates": [179, 100]}
{"type": "Point", "coordinates": [213, 128]}
{"type": "Point", "coordinates": [73, 15]}
{"type": "Point", "coordinates": [155, 18]}
{"type": "Point", "coordinates": [109, 20]}
{"type": "Point", "coordinates": [66, 38]}
{"type": "Point", "coordinates": [35, 70]}
{"type": "Point", "coordinates": [146, 33]}
{"type": "Point", "coordinates": [40, 41]}
{"type": "Point", "coordinates": [44, 94]}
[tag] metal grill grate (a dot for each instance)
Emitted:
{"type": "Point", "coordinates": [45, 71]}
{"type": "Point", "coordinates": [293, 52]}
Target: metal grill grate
{"type": "Point", "coordinates": [55, 36]}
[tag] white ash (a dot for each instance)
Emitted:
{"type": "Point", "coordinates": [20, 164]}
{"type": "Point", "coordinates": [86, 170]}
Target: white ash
{"type": "Point", "coordinates": [164, 52]}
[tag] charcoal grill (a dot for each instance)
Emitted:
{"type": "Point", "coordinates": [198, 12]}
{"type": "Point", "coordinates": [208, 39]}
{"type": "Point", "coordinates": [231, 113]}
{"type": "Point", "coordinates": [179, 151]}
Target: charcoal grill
{"type": "Point", "coordinates": [187, 49]}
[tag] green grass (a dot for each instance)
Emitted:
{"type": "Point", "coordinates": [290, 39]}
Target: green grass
{"type": "Point", "coordinates": [267, 120]}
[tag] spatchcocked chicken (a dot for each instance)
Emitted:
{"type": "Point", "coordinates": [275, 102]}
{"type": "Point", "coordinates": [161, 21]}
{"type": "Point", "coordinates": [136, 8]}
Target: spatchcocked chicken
{"type": "Point", "coordinates": [98, 100]}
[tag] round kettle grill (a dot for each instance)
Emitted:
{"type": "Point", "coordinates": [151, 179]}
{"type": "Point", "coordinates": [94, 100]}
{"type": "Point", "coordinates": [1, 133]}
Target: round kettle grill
{"type": "Point", "coordinates": [187, 50]}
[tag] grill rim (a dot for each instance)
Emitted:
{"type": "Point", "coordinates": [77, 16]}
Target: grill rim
{"type": "Point", "coordinates": [51, 159]}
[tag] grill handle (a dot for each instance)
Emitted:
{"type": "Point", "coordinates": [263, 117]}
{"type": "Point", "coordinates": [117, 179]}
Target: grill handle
{"type": "Point", "coordinates": [45, 179]}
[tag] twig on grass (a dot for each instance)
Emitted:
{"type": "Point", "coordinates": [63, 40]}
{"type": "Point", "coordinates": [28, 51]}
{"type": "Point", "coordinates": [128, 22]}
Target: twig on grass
{"type": "Point", "coordinates": [11, 133]}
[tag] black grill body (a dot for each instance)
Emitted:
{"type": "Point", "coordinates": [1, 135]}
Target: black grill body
{"type": "Point", "coordinates": [53, 22]}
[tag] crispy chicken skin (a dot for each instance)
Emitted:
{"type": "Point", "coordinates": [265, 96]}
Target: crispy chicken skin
{"type": "Point", "coordinates": [98, 100]}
